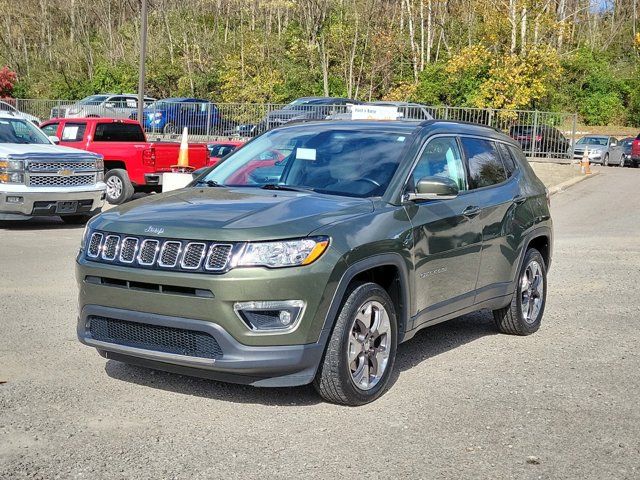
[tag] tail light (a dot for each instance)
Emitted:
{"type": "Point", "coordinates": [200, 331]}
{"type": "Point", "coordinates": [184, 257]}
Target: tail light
{"type": "Point", "coordinates": [149, 157]}
{"type": "Point", "coordinates": [635, 146]}
{"type": "Point", "coordinates": [538, 138]}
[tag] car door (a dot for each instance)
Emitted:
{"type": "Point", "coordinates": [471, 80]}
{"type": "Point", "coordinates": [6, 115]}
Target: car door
{"type": "Point", "coordinates": [447, 235]}
{"type": "Point", "coordinates": [503, 215]}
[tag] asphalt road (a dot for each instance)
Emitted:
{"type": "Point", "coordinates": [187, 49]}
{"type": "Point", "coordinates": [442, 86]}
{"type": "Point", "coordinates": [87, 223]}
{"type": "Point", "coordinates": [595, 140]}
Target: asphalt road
{"type": "Point", "coordinates": [467, 403]}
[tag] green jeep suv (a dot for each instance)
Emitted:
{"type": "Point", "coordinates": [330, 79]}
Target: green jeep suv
{"type": "Point", "coordinates": [312, 252]}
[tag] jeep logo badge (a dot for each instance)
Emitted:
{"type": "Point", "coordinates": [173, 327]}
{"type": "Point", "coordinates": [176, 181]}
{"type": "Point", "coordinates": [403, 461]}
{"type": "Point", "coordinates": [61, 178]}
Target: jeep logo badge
{"type": "Point", "coordinates": [154, 230]}
{"type": "Point", "coordinates": [65, 172]}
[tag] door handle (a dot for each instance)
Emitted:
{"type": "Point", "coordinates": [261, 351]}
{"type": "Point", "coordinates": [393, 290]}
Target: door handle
{"type": "Point", "coordinates": [518, 199]}
{"type": "Point", "coordinates": [471, 211]}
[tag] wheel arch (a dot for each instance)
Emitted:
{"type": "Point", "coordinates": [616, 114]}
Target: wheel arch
{"type": "Point", "coordinates": [111, 164]}
{"type": "Point", "coordinates": [390, 272]}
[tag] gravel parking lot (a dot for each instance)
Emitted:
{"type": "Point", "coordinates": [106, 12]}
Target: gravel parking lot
{"type": "Point", "coordinates": [467, 403]}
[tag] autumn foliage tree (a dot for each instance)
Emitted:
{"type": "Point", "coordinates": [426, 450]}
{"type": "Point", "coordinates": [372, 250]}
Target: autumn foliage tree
{"type": "Point", "coordinates": [8, 79]}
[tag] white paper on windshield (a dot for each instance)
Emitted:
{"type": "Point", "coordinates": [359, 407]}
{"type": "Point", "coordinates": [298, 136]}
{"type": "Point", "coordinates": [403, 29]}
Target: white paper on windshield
{"type": "Point", "coordinates": [374, 112]}
{"type": "Point", "coordinates": [70, 132]}
{"type": "Point", "coordinates": [306, 154]}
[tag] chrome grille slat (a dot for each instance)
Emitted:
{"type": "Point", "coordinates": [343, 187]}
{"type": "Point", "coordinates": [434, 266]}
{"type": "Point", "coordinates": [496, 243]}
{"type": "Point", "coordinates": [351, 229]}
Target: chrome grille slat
{"type": "Point", "coordinates": [218, 257]}
{"type": "Point", "coordinates": [193, 255]}
{"type": "Point", "coordinates": [169, 254]}
{"type": "Point", "coordinates": [148, 252]}
{"type": "Point", "coordinates": [128, 249]}
{"type": "Point", "coordinates": [94, 244]}
{"type": "Point", "coordinates": [110, 247]}
{"type": "Point", "coordinates": [154, 253]}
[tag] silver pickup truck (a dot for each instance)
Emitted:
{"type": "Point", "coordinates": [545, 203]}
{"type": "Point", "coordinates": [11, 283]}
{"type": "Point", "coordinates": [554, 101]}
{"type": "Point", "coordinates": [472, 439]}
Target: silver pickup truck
{"type": "Point", "coordinates": [38, 177]}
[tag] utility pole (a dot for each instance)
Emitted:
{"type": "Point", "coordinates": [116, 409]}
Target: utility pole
{"type": "Point", "coordinates": [143, 56]}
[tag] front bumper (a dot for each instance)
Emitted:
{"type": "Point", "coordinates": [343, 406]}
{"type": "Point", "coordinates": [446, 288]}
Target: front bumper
{"type": "Point", "coordinates": [42, 201]}
{"type": "Point", "coordinates": [267, 366]}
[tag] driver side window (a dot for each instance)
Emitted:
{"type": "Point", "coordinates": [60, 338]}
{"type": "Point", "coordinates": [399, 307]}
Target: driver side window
{"type": "Point", "coordinates": [441, 158]}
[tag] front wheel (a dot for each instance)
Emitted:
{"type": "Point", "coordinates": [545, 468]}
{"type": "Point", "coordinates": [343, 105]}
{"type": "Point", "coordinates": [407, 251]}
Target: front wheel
{"type": "Point", "coordinates": [361, 352]}
{"type": "Point", "coordinates": [119, 186]}
{"type": "Point", "coordinates": [524, 314]}
{"type": "Point", "coordinates": [606, 160]}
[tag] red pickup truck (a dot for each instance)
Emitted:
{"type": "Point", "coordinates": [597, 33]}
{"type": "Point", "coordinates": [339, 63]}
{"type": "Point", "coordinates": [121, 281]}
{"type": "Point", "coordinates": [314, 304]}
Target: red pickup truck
{"type": "Point", "coordinates": [131, 162]}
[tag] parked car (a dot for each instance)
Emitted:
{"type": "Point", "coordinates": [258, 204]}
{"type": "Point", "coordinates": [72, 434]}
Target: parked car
{"type": "Point", "coordinates": [7, 107]}
{"type": "Point", "coordinates": [219, 150]}
{"type": "Point", "coordinates": [406, 110]}
{"type": "Point", "coordinates": [131, 163]}
{"type": "Point", "coordinates": [372, 231]}
{"type": "Point", "coordinates": [540, 140]}
{"type": "Point", "coordinates": [624, 152]}
{"type": "Point", "coordinates": [110, 105]}
{"type": "Point", "coordinates": [601, 148]}
{"type": "Point", "coordinates": [171, 115]}
{"type": "Point", "coordinates": [301, 109]}
{"type": "Point", "coordinates": [635, 152]}
{"type": "Point", "coordinates": [39, 178]}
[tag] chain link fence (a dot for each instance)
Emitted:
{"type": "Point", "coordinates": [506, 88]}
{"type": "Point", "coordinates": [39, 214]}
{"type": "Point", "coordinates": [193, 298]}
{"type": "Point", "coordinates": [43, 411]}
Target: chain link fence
{"type": "Point", "coordinates": [541, 134]}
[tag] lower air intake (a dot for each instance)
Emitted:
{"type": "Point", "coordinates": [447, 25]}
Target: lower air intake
{"type": "Point", "coordinates": [177, 341]}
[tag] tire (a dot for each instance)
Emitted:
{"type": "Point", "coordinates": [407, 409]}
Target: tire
{"type": "Point", "coordinates": [605, 162]}
{"type": "Point", "coordinates": [77, 219]}
{"type": "Point", "coordinates": [119, 187]}
{"type": "Point", "coordinates": [511, 319]}
{"type": "Point", "coordinates": [336, 381]}
{"type": "Point", "coordinates": [622, 162]}
{"type": "Point", "coordinates": [169, 129]}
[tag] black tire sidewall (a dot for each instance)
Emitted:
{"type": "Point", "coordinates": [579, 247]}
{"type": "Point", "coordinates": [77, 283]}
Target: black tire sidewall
{"type": "Point", "coordinates": [359, 296]}
{"type": "Point", "coordinates": [532, 254]}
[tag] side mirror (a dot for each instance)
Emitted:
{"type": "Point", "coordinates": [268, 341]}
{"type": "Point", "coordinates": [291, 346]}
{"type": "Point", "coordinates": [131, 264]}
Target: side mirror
{"type": "Point", "coordinates": [614, 144]}
{"type": "Point", "coordinates": [435, 188]}
{"type": "Point", "coordinates": [54, 139]}
{"type": "Point", "coordinates": [109, 105]}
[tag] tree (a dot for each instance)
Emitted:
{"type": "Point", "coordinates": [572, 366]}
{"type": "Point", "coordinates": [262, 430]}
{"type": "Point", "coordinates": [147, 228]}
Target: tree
{"type": "Point", "coordinates": [8, 79]}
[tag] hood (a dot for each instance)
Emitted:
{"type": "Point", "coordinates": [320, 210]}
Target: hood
{"type": "Point", "coordinates": [230, 214]}
{"type": "Point", "coordinates": [592, 148]}
{"type": "Point", "coordinates": [26, 150]}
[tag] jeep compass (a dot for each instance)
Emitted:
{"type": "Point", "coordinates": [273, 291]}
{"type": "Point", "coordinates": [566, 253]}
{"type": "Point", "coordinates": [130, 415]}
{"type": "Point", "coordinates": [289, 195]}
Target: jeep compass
{"type": "Point", "coordinates": [309, 254]}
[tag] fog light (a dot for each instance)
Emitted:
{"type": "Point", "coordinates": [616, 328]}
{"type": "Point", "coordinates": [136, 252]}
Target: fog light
{"type": "Point", "coordinates": [14, 199]}
{"type": "Point", "coordinates": [270, 315]}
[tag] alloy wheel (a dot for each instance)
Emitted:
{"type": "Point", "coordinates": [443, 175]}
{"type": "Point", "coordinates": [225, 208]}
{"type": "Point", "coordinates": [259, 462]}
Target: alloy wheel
{"type": "Point", "coordinates": [114, 187]}
{"type": "Point", "coordinates": [531, 292]}
{"type": "Point", "coordinates": [369, 345]}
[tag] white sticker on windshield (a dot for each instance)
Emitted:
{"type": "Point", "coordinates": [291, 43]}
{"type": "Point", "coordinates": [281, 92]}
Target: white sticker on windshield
{"type": "Point", "coordinates": [306, 153]}
{"type": "Point", "coordinates": [70, 132]}
{"type": "Point", "coordinates": [401, 139]}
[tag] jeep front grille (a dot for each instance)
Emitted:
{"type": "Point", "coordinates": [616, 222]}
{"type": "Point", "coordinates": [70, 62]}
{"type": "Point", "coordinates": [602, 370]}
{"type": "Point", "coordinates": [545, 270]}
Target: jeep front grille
{"type": "Point", "coordinates": [178, 341]}
{"type": "Point", "coordinates": [160, 254]}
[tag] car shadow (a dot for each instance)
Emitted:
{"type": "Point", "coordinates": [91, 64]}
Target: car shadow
{"type": "Point", "coordinates": [38, 223]}
{"type": "Point", "coordinates": [426, 345]}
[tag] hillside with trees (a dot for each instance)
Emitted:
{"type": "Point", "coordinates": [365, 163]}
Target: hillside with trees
{"type": "Point", "coordinates": [560, 55]}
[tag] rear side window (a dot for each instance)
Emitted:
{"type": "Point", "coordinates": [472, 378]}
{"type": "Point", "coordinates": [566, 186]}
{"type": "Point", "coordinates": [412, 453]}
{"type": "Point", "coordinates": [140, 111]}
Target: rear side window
{"type": "Point", "coordinates": [118, 132]}
{"type": "Point", "coordinates": [485, 166]}
{"type": "Point", "coordinates": [508, 160]}
{"type": "Point", "coordinates": [73, 132]}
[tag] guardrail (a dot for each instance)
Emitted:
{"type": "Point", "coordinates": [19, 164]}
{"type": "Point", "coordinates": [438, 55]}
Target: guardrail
{"type": "Point", "coordinates": [541, 134]}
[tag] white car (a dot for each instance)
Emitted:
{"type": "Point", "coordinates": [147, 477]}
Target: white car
{"type": "Point", "coordinates": [7, 107]}
{"type": "Point", "coordinates": [40, 178]}
{"type": "Point", "coordinates": [110, 105]}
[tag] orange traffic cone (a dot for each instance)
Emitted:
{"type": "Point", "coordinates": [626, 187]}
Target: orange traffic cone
{"type": "Point", "coordinates": [183, 156]}
{"type": "Point", "coordinates": [586, 167]}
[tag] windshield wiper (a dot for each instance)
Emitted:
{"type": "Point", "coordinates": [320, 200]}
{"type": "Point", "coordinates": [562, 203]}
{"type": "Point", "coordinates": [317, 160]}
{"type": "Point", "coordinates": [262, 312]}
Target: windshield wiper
{"type": "Point", "coordinates": [287, 188]}
{"type": "Point", "coordinates": [209, 183]}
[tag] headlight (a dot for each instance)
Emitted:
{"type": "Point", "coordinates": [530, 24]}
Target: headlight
{"type": "Point", "coordinates": [11, 171]}
{"type": "Point", "coordinates": [100, 169]}
{"type": "Point", "coordinates": [285, 253]}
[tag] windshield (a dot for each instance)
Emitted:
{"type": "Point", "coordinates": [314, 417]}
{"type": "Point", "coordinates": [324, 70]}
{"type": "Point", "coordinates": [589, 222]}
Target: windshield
{"type": "Point", "coordinates": [15, 130]}
{"type": "Point", "coordinates": [593, 141]}
{"type": "Point", "coordinates": [93, 100]}
{"type": "Point", "coordinates": [331, 160]}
